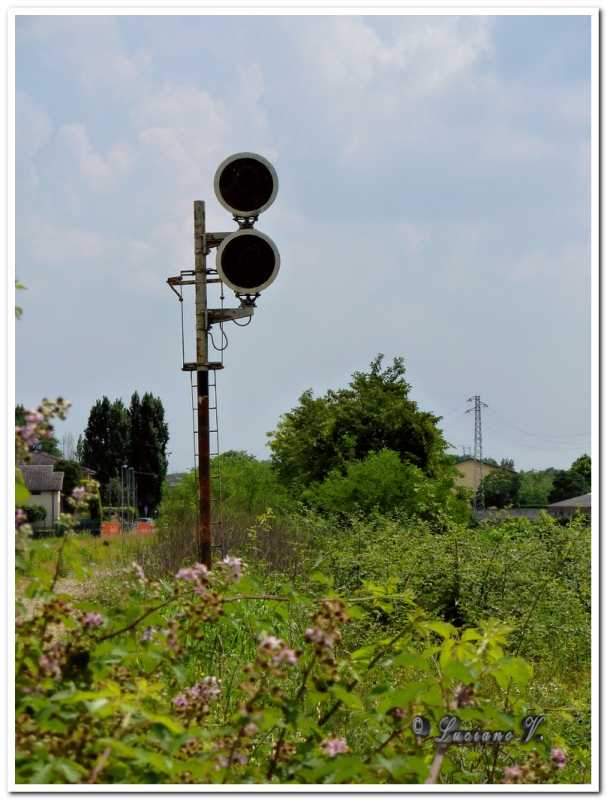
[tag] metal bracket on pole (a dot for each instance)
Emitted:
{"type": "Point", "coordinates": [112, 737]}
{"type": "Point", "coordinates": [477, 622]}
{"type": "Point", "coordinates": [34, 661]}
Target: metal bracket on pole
{"type": "Point", "coordinates": [215, 239]}
{"type": "Point", "coordinates": [216, 315]}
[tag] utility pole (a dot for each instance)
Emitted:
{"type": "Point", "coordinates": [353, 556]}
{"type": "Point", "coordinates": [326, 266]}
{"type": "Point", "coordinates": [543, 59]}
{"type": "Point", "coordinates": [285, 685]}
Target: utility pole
{"type": "Point", "coordinates": [479, 492]}
{"type": "Point", "coordinates": [202, 383]}
{"type": "Point", "coordinates": [247, 262]}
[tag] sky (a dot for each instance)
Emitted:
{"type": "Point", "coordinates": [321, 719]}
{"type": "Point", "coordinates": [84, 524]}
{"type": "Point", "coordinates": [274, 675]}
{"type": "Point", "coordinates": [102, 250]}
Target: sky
{"type": "Point", "coordinates": [434, 204]}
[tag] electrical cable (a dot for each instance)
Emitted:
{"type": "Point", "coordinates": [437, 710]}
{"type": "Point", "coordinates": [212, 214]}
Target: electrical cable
{"type": "Point", "coordinates": [547, 437]}
{"type": "Point", "coordinates": [455, 422]}
{"type": "Point", "coordinates": [572, 449]}
{"type": "Point", "coordinates": [224, 336]}
{"type": "Point", "coordinates": [454, 410]}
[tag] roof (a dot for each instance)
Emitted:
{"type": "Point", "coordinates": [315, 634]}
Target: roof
{"type": "Point", "coordinates": [39, 459]}
{"type": "Point", "coordinates": [41, 478]}
{"type": "Point", "coordinates": [583, 501]}
{"type": "Point", "coordinates": [486, 464]}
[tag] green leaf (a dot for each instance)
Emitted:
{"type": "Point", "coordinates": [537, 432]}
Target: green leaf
{"type": "Point", "coordinates": [382, 688]}
{"type": "Point", "coordinates": [444, 629]}
{"type": "Point", "coordinates": [402, 697]}
{"type": "Point", "coordinates": [72, 771]}
{"type": "Point", "coordinates": [319, 577]}
{"type": "Point", "coordinates": [356, 612]}
{"type": "Point", "coordinates": [409, 659]}
{"type": "Point", "coordinates": [95, 705]}
{"type": "Point", "coordinates": [455, 669]}
{"type": "Point", "coordinates": [517, 669]}
{"type": "Point", "coordinates": [364, 654]}
{"type": "Point", "coordinates": [21, 493]}
{"type": "Point", "coordinates": [347, 698]}
{"type": "Point", "coordinates": [168, 722]}
{"type": "Point", "coordinates": [179, 673]}
{"type": "Point", "coordinates": [471, 635]}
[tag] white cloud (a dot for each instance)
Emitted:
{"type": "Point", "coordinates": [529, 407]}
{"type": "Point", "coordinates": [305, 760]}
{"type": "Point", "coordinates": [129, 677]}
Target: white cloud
{"type": "Point", "coordinates": [184, 130]}
{"type": "Point", "coordinates": [412, 236]}
{"type": "Point", "coordinates": [51, 245]}
{"type": "Point", "coordinates": [564, 275]}
{"type": "Point", "coordinates": [98, 172]}
{"type": "Point", "coordinates": [94, 46]}
{"type": "Point", "coordinates": [507, 142]}
{"type": "Point", "coordinates": [33, 126]}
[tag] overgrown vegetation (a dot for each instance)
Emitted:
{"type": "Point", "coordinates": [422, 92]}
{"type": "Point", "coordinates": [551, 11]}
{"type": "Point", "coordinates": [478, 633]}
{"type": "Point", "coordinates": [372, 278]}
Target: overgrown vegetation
{"type": "Point", "coordinates": [371, 615]}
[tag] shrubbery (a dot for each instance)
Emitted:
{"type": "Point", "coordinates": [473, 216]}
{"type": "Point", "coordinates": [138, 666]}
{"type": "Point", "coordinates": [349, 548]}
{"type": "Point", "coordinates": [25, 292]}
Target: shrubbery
{"type": "Point", "coordinates": [35, 512]}
{"type": "Point", "coordinates": [346, 673]}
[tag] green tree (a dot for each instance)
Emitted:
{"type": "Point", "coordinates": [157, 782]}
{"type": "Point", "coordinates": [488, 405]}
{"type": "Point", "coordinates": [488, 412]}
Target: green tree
{"type": "Point", "coordinates": [535, 487]}
{"type": "Point", "coordinates": [250, 486]}
{"type": "Point", "coordinates": [501, 488]}
{"type": "Point", "coordinates": [384, 483]}
{"type": "Point", "coordinates": [79, 454]}
{"type": "Point", "coordinates": [20, 415]}
{"type": "Point", "coordinates": [327, 433]}
{"type": "Point", "coordinates": [567, 483]}
{"type": "Point", "coordinates": [72, 477]}
{"type": "Point", "coordinates": [149, 436]}
{"type": "Point", "coordinates": [583, 465]}
{"type": "Point", "coordinates": [106, 439]}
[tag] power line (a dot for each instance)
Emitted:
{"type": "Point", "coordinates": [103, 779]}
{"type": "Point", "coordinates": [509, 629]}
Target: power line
{"type": "Point", "coordinates": [572, 449]}
{"type": "Point", "coordinates": [455, 422]}
{"type": "Point", "coordinates": [547, 437]}
{"type": "Point", "coordinates": [454, 410]}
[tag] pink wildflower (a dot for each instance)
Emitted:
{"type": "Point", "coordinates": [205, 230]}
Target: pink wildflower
{"type": "Point", "coordinates": [148, 634]}
{"type": "Point", "coordinates": [558, 756]}
{"type": "Point", "coordinates": [278, 651]}
{"type": "Point", "coordinates": [93, 620]}
{"type": "Point", "coordinates": [510, 773]}
{"type": "Point", "coordinates": [78, 492]}
{"type": "Point", "coordinates": [319, 637]}
{"type": "Point", "coordinates": [181, 700]}
{"type": "Point", "coordinates": [49, 664]}
{"type": "Point", "coordinates": [237, 567]}
{"type": "Point", "coordinates": [333, 746]}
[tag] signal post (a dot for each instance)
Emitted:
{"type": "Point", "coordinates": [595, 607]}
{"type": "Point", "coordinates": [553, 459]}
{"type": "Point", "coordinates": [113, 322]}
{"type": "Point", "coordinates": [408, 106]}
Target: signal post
{"type": "Point", "coordinates": [247, 261]}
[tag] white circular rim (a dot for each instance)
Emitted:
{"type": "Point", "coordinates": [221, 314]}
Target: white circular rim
{"type": "Point", "coordinates": [236, 211]}
{"type": "Point", "coordinates": [224, 244]}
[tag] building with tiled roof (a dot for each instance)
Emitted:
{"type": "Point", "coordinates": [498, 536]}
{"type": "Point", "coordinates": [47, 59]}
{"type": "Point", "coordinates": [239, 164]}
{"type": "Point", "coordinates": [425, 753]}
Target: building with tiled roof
{"type": "Point", "coordinates": [37, 459]}
{"type": "Point", "coordinates": [44, 486]}
{"type": "Point", "coordinates": [575, 505]}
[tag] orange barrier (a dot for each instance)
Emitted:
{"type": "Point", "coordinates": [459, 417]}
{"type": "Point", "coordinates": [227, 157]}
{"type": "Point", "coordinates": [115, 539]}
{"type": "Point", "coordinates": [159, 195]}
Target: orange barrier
{"type": "Point", "coordinates": [145, 527]}
{"type": "Point", "coordinates": [110, 528]}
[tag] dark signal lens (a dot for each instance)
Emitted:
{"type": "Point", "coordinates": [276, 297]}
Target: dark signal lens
{"type": "Point", "coordinates": [248, 261]}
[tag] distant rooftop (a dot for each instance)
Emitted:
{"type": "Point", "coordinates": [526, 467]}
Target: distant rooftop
{"type": "Point", "coordinates": [583, 501]}
{"type": "Point", "coordinates": [485, 463]}
{"type": "Point", "coordinates": [41, 478]}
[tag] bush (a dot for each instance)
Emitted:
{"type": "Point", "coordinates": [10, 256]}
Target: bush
{"type": "Point", "coordinates": [34, 512]}
{"type": "Point", "coordinates": [384, 483]}
{"type": "Point", "coordinates": [338, 677]}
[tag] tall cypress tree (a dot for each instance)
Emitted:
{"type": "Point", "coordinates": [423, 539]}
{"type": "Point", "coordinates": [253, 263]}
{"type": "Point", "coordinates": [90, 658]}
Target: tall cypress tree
{"type": "Point", "coordinates": [106, 439]}
{"type": "Point", "coordinates": [148, 441]}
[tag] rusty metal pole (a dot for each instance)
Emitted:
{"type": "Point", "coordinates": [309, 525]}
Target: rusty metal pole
{"type": "Point", "coordinates": [202, 383]}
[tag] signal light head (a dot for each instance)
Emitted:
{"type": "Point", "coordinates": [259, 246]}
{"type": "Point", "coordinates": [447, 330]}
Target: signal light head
{"type": "Point", "coordinates": [247, 261]}
{"type": "Point", "coordinates": [246, 184]}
